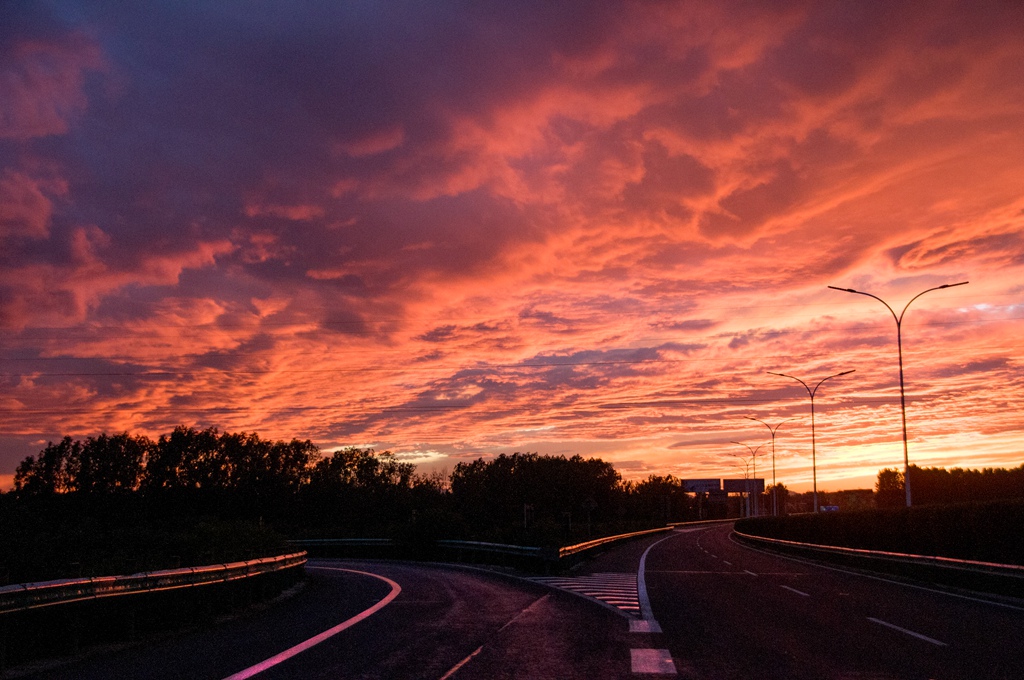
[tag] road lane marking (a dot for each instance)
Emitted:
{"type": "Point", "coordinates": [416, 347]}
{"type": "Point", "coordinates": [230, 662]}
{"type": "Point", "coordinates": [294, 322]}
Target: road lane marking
{"type": "Point", "coordinates": [616, 590]}
{"type": "Point", "coordinates": [454, 669]}
{"type": "Point", "coordinates": [646, 613]}
{"type": "Point", "coordinates": [908, 632]}
{"type": "Point", "coordinates": [794, 590]}
{"type": "Point", "coordinates": [719, 571]}
{"type": "Point", "coordinates": [652, 661]}
{"type": "Point", "coordinates": [876, 577]}
{"type": "Point", "coordinates": [462, 663]}
{"type": "Point", "coordinates": [330, 632]}
{"type": "Point", "coordinates": [727, 562]}
{"type": "Point", "coordinates": [640, 626]}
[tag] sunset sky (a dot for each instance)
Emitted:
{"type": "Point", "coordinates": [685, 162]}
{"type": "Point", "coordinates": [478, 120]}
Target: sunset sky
{"type": "Point", "coordinates": [457, 229]}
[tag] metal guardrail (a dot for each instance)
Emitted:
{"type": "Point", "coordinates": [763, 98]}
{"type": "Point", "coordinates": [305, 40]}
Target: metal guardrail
{"type": "Point", "coordinates": [335, 542]}
{"type": "Point", "coordinates": [568, 550]}
{"type": "Point", "coordinates": [501, 548]}
{"type": "Point", "coordinates": [974, 566]}
{"type": "Point", "coordinates": [548, 554]}
{"type": "Point", "coordinates": [726, 520]}
{"type": "Point", "coordinates": [22, 596]}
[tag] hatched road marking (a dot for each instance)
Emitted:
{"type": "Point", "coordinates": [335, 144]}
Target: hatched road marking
{"type": "Point", "coordinates": [617, 590]}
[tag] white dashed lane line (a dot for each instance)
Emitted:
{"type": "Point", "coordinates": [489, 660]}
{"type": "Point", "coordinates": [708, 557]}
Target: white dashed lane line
{"type": "Point", "coordinates": [654, 661]}
{"type": "Point", "coordinates": [794, 590]}
{"type": "Point", "coordinates": [907, 632]}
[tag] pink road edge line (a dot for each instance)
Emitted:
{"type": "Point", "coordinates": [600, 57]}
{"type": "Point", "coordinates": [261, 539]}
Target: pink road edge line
{"type": "Point", "coordinates": [330, 632]}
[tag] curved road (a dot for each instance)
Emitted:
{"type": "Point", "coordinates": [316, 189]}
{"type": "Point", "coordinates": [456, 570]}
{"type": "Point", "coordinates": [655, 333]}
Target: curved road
{"type": "Point", "coordinates": [451, 623]}
{"type": "Point", "coordinates": [702, 606]}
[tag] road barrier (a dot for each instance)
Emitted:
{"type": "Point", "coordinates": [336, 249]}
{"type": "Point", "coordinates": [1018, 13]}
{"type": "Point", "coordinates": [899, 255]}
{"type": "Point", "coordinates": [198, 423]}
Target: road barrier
{"type": "Point", "coordinates": [475, 551]}
{"type": "Point", "coordinates": [569, 550]}
{"type": "Point", "coordinates": [24, 596]}
{"type": "Point", "coordinates": [1001, 579]}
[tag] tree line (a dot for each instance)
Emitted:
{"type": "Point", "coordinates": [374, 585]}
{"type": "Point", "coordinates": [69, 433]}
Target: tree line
{"type": "Point", "coordinates": [189, 477]}
{"type": "Point", "coordinates": [353, 492]}
{"type": "Point", "coordinates": [935, 485]}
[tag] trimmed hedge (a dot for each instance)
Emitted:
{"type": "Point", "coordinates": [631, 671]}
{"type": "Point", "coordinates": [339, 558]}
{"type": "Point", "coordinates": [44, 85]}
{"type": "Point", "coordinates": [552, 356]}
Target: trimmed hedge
{"type": "Point", "coordinates": [989, 532]}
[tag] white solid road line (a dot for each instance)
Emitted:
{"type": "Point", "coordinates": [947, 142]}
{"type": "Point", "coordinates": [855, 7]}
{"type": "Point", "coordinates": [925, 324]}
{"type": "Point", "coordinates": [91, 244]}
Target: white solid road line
{"type": "Point", "coordinates": [646, 613]}
{"type": "Point", "coordinates": [794, 590]}
{"type": "Point", "coordinates": [908, 632]}
{"type": "Point", "coordinates": [330, 632]}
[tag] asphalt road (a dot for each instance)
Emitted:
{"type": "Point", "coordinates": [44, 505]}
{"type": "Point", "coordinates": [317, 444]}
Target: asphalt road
{"type": "Point", "coordinates": [449, 623]}
{"type": "Point", "coordinates": [727, 611]}
{"type": "Point", "coordinates": [701, 606]}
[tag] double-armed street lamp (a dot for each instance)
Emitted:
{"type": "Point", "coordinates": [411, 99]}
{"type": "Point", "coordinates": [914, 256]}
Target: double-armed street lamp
{"type": "Point", "coordinates": [775, 491]}
{"type": "Point", "coordinates": [899, 346]}
{"type": "Point", "coordinates": [753, 457]}
{"type": "Point", "coordinates": [811, 393]}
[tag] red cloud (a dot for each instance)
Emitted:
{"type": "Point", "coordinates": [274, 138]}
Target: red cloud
{"type": "Point", "coordinates": [41, 84]}
{"type": "Point", "coordinates": [24, 209]}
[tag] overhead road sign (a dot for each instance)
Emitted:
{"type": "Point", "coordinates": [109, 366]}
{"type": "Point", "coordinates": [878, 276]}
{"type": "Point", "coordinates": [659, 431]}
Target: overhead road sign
{"type": "Point", "coordinates": [702, 485]}
{"type": "Point", "coordinates": [743, 485]}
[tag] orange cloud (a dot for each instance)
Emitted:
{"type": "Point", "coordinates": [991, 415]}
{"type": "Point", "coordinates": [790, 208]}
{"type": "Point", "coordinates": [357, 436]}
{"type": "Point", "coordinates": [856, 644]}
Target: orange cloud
{"type": "Point", "coordinates": [591, 232]}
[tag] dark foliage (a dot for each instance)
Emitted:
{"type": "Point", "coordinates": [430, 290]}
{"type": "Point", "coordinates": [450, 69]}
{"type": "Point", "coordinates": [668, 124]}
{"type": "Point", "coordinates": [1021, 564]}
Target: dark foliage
{"type": "Point", "coordinates": [116, 503]}
{"type": "Point", "coordinates": [930, 486]}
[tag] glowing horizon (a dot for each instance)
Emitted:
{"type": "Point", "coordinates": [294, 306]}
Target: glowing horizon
{"type": "Point", "coordinates": [453, 233]}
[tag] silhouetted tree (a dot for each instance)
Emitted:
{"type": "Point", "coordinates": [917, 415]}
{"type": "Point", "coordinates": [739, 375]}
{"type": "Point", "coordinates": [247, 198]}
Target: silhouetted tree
{"type": "Point", "coordinates": [931, 486]}
{"type": "Point", "coordinates": [109, 463]}
{"type": "Point", "coordinates": [889, 491]}
{"type": "Point", "coordinates": [546, 492]}
{"type": "Point", "coordinates": [185, 459]}
{"type": "Point", "coordinates": [48, 472]}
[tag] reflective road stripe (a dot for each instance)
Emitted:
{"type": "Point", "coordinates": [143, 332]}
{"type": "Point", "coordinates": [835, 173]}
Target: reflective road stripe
{"type": "Point", "coordinates": [330, 632]}
{"type": "Point", "coordinates": [652, 661]}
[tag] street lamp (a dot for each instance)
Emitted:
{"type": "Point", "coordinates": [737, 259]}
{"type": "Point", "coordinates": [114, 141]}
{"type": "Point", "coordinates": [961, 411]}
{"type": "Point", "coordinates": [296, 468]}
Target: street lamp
{"type": "Point", "coordinates": [753, 457]}
{"type": "Point", "coordinates": [899, 347]}
{"type": "Point", "coordinates": [814, 464]}
{"type": "Point", "coordinates": [746, 483]}
{"type": "Point", "coordinates": [775, 491]}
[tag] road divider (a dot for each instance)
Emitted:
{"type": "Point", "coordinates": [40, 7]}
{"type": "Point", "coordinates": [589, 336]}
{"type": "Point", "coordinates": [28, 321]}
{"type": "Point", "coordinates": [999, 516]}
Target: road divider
{"type": "Point", "coordinates": [986, 577]}
{"type": "Point", "coordinates": [56, 618]}
{"type": "Point", "coordinates": [24, 596]}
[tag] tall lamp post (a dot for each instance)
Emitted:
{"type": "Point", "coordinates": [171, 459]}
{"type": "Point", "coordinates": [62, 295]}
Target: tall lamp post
{"type": "Point", "coordinates": [775, 491]}
{"type": "Point", "coordinates": [899, 347]}
{"type": "Point", "coordinates": [814, 456]}
{"type": "Point", "coordinates": [746, 483]}
{"type": "Point", "coordinates": [753, 457]}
